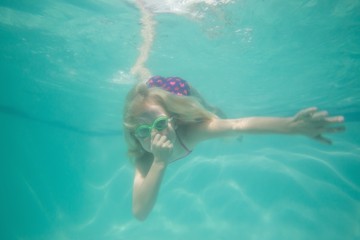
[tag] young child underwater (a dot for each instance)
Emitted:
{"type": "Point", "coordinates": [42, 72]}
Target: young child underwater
{"type": "Point", "coordinates": [165, 118]}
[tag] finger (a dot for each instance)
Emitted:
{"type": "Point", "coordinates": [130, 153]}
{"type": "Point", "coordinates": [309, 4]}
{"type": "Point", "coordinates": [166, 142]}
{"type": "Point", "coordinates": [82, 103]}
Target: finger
{"type": "Point", "coordinates": [168, 144]}
{"type": "Point", "coordinates": [153, 142]}
{"type": "Point", "coordinates": [335, 129]}
{"type": "Point", "coordinates": [322, 139]}
{"type": "Point", "coordinates": [337, 119]}
{"type": "Point", "coordinates": [319, 115]}
{"type": "Point", "coordinates": [155, 137]}
{"type": "Point", "coordinates": [162, 139]}
{"type": "Point", "coordinates": [308, 112]}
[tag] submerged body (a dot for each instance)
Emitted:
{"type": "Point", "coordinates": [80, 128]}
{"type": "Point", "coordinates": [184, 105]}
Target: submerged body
{"type": "Point", "coordinates": [164, 126]}
{"type": "Point", "coordinates": [165, 118]}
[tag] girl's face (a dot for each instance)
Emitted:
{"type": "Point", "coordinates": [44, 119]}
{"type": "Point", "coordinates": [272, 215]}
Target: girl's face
{"type": "Point", "coordinates": [153, 115]}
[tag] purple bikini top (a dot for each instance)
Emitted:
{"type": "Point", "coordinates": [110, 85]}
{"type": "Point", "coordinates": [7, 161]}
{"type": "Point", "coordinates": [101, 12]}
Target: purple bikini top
{"type": "Point", "coordinates": [174, 85]}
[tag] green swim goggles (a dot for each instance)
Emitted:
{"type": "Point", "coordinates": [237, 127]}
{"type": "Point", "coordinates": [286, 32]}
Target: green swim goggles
{"type": "Point", "coordinates": [160, 124]}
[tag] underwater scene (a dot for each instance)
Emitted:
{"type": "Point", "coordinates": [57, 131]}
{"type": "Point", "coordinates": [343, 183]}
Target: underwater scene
{"type": "Point", "coordinates": [65, 73]}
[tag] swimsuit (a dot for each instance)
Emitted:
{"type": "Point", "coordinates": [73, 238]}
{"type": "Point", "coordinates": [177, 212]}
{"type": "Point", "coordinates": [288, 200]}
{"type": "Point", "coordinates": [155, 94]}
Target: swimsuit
{"type": "Point", "coordinates": [174, 85]}
{"type": "Point", "coordinates": [188, 151]}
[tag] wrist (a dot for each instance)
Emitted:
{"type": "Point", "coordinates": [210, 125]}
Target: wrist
{"type": "Point", "coordinates": [160, 164]}
{"type": "Point", "coordinates": [291, 126]}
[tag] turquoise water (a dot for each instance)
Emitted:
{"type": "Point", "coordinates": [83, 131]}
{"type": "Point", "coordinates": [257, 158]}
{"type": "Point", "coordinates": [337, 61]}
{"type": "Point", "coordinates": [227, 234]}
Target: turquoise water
{"type": "Point", "coordinates": [64, 172]}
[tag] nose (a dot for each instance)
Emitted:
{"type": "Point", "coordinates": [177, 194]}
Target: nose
{"type": "Point", "coordinates": [154, 130]}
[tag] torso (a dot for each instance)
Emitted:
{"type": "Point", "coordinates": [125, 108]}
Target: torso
{"type": "Point", "coordinates": [181, 149]}
{"type": "Point", "coordinates": [189, 136]}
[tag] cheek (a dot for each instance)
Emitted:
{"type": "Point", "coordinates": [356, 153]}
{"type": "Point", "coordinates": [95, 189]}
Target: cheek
{"type": "Point", "coordinates": [145, 144]}
{"type": "Point", "coordinates": [170, 133]}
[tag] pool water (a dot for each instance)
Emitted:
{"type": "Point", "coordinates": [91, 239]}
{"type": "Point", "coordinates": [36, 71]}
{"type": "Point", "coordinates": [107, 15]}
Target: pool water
{"type": "Point", "coordinates": [64, 76]}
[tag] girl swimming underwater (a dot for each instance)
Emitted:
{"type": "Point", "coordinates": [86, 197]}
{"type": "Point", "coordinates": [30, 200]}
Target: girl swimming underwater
{"type": "Point", "coordinates": [166, 118]}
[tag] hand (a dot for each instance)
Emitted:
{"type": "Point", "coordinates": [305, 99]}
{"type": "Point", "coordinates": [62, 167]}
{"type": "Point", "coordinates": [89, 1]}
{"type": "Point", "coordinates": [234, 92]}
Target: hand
{"type": "Point", "coordinates": [313, 123]}
{"type": "Point", "coordinates": [161, 147]}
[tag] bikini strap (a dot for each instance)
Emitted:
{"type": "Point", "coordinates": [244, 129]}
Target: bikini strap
{"type": "Point", "coordinates": [183, 145]}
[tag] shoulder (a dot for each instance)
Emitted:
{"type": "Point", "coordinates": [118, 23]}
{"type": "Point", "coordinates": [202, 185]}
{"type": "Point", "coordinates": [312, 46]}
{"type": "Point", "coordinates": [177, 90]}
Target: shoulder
{"type": "Point", "coordinates": [213, 128]}
{"type": "Point", "coordinates": [196, 132]}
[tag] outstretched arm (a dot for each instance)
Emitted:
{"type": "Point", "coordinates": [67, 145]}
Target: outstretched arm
{"type": "Point", "coordinates": [139, 69]}
{"type": "Point", "coordinates": [309, 122]}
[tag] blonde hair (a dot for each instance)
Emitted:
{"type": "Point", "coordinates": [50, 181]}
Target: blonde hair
{"type": "Point", "coordinates": [185, 110]}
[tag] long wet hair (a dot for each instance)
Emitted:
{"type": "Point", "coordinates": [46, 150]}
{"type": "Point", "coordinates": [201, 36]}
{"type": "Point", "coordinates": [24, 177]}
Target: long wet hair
{"type": "Point", "coordinates": [185, 110]}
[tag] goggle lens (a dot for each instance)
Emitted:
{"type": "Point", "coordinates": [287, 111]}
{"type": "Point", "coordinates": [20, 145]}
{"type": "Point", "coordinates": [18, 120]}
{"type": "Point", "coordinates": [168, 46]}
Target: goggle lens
{"type": "Point", "coordinates": [159, 124]}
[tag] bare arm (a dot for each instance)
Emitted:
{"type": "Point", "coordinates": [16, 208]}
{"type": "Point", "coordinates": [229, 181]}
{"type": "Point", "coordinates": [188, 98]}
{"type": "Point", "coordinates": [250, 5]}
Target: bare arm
{"type": "Point", "coordinates": [149, 174]}
{"type": "Point", "coordinates": [309, 122]}
{"type": "Point", "coordinates": [146, 188]}
{"type": "Point", "coordinates": [139, 69]}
